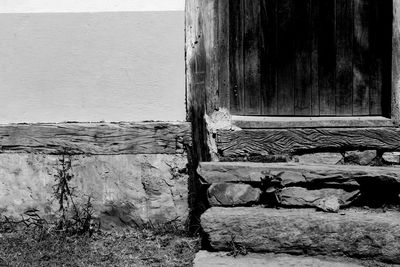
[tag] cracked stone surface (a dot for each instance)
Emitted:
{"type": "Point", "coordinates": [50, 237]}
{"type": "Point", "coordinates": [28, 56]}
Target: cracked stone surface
{"type": "Point", "coordinates": [229, 194]}
{"type": "Point", "coordinates": [126, 189]}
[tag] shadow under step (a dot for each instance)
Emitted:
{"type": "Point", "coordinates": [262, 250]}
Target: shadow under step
{"type": "Point", "coordinates": [356, 233]}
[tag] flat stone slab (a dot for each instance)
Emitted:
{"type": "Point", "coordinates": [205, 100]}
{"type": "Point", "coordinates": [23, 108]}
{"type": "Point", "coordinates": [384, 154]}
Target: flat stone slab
{"type": "Point", "coordinates": [210, 259]}
{"type": "Point", "coordinates": [356, 233]}
{"type": "Point", "coordinates": [292, 174]}
{"type": "Point", "coordinates": [230, 195]}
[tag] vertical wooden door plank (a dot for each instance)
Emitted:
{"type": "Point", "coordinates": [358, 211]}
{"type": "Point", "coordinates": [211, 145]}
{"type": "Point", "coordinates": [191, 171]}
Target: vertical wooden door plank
{"type": "Point", "coordinates": [210, 34]}
{"type": "Point", "coordinates": [236, 57]}
{"type": "Point", "coordinates": [388, 48]}
{"type": "Point", "coordinates": [223, 47]}
{"type": "Point", "coordinates": [395, 111]}
{"type": "Point", "coordinates": [252, 81]}
{"type": "Point", "coordinates": [286, 57]}
{"type": "Point", "coordinates": [268, 57]}
{"type": "Point", "coordinates": [326, 57]}
{"type": "Point", "coordinates": [315, 24]}
{"type": "Point", "coordinates": [302, 92]}
{"type": "Point", "coordinates": [344, 57]}
{"type": "Point", "coordinates": [361, 87]}
{"type": "Point", "coordinates": [377, 48]}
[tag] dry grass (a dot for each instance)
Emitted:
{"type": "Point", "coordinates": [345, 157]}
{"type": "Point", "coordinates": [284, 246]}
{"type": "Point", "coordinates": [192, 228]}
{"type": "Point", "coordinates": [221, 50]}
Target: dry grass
{"type": "Point", "coordinates": [118, 248]}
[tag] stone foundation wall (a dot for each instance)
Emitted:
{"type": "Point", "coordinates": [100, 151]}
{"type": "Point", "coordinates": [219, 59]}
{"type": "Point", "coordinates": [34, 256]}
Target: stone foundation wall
{"type": "Point", "coordinates": [126, 189]}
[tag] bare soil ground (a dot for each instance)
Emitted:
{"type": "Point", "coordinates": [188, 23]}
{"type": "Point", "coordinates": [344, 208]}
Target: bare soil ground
{"type": "Point", "coordinates": [117, 248]}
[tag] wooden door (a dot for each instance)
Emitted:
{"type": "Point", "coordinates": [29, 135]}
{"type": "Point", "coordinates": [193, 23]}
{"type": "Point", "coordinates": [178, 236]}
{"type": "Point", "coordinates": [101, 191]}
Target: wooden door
{"type": "Point", "coordinates": [310, 57]}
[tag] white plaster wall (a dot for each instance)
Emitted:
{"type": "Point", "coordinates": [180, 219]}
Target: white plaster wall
{"type": "Point", "coordinates": [106, 66]}
{"type": "Point", "coordinates": [31, 6]}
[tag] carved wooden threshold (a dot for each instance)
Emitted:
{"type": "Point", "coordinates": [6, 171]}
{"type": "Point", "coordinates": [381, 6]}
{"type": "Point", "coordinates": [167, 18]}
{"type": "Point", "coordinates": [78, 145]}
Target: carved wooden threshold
{"type": "Point", "coordinates": [300, 141]}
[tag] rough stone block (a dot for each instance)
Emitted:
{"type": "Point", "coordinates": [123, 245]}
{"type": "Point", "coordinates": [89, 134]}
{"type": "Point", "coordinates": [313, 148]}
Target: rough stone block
{"type": "Point", "coordinates": [392, 157]}
{"type": "Point", "coordinates": [302, 197]}
{"type": "Point", "coordinates": [208, 259]}
{"type": "Point", "coordinates": [355, 233]}
{"type": "Point", "coordinates": [319, 158]}
{"type": "Point", "coordinates": [229, 194]}
{"type": "Point", "coordinates": [359, 157]}
{"type": "Point", "coordinates": [126, 189]}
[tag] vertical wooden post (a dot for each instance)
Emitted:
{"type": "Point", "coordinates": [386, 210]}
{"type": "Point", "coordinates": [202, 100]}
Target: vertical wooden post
{"type": "Point", "coordinates": [202, 78]}
{"type": "Point", "coordinates": [202, 69]}
{"type": "Point", "coordinates": [196, 71]}
{"type": "Point", "coordinates": [396, 63]}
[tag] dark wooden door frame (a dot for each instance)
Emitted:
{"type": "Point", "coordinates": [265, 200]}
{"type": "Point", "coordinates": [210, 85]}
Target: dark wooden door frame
{"type": "Point", "coordinates": [207, 75]}
{"type": "Point", "coordinates": [207, 55]}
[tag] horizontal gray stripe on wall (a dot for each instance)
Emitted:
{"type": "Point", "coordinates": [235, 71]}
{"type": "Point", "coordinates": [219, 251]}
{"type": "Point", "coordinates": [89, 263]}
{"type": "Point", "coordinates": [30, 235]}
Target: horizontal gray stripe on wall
{"type": "Point", "coordinates": [96, 138]}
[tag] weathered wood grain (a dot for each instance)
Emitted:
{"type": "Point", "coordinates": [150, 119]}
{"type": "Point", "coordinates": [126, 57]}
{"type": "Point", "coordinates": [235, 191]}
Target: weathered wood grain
{"type": "Point", "coordinates": [223, 60]}
{"type": "Point", "coordinates": [196, 44]}
{"type": "Point", "coordinates": [396, 62]}
{"type": "Point", "coordinates": [378, 49]}
{"type": "Point", "coordinates": [236, 63]}
{"type": "Point", "coordinates": [291, 174]}
{"type": "Point", "coordinates": [201, 43]}
{"type": "Point", "coordinates": [326, 57]}
{"type": "Point", "coordinates": [354, 233]}
{"type": "Point", "coordinates": [362, 58]}
{"type": "Point", "coordinates": [251, 48]}
{"type": "Point", "coordinates": [257, 122]}
{"type": "Point", "coordinates": [303, 39]}
{"type": "Point", "coordinates": [315, 24]}
{"type": "Point", "coordinates": [268, 54]}
{"type": "Point", "coordinates": [209, 21]}
{"type": "Point", "coordinates": [286, 57]}
{"type": "Point", "coordinates": [297, 141]}
{"type": "Point", "coordinates": [191, 41]}
{"type": "Point", "coordinates": [96, 138]}
{"type": "Point", "coordinates": [344, 58]}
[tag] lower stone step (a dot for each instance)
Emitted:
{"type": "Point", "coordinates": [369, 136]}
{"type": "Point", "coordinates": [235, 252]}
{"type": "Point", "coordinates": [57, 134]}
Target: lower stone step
{"type": "Point", "coordinates": [211, 259]}
{"type": "Point", "coordinates": [362, 234]}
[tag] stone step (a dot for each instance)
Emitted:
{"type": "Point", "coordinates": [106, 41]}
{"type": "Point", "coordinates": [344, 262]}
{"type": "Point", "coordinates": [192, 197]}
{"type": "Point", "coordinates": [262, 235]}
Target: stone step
{"type": "Point", "coordinates": [211, 259]}
{"type": "Point", "coordinates": [292, 174]}
{"type": "Point", "coordinates": [326, 187]}
{"type": "Point", "coordinates": [362, 234]}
